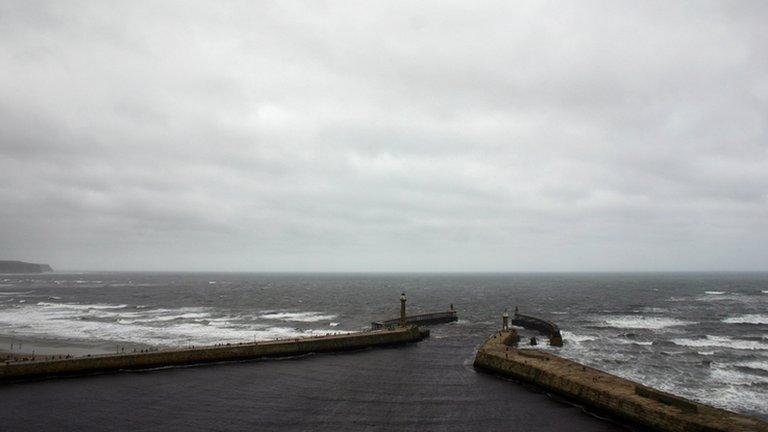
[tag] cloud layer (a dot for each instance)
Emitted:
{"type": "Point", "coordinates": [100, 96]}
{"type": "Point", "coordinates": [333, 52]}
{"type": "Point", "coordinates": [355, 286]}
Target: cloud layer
{"type": "Point", "coordinates": [385, 136]}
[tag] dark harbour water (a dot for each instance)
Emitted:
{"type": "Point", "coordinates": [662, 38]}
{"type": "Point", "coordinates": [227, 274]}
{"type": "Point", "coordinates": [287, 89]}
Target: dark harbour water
{"type": "Point", "coordinates": [658, 329]}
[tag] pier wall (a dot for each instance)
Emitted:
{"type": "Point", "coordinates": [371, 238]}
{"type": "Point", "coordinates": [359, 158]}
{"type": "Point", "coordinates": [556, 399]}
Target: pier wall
{"type": "Point", "coordinates": [541, 325]}
{"type": "Point", "coordinates": [617, 396]}
{"type": "Point", "coordinates": [20, 371]}
{"type": "Point", "coordinates": [422, 319]}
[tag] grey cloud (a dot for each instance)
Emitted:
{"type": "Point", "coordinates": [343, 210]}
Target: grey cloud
{"type": "Point", "coordinates": [384, 136]}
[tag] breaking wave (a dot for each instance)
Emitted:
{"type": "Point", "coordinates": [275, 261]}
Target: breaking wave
{"type": "Point", "coordinates": [747, 319]}
{"type": "Point", "coordinates": [643, 322]}
{"type": "Point", "coordinates": [572, 337]}
{"type": "Point", "coordinates": [298, 316]}
{"type": "Point", "coordinates": [159, 326]}
{"type": "Point", "coordinates": [81, 306]}
{"type": "Point", "coordinates": [721, 342]}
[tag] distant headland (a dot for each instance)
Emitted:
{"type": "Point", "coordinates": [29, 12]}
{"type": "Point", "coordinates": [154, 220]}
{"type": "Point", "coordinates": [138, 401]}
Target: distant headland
{"type": "Point", "coordinates": [23, 267]}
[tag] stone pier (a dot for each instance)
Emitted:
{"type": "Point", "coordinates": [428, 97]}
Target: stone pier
{"type": "Point", "coordinates": [608, 393]}
{"type": "Point", "coordinates": [29, 370]}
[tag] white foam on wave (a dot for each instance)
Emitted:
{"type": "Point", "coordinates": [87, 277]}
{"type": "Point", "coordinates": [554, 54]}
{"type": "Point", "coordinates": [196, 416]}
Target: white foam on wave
{"type": "Point", "coordinates": [572, 337]}
{"type": "Point", "coordinates": [643, 322]}
{"type": "Point", "coordinates": [164, 317]}
{"type": "Point", "coordinates": [634, 342]}
{"type": "Point", "coordinates": [736, 390]}
{"type": "Point", "coordinates": [180, 326]}
{"type": "Point", "coordinates": [728, 375]}
{"type": "Point", "coordinates": [717, 296]}
{"type": "Point", "coordinates": [299, 316]}
{"type": "Point", "coordinates": [747, 319]}
{"type": "Point", "coordinates": [757, 364]}
{"type": "Point", "coordinates": [81, 306]}
{"type": "Point", "coordinates": [722, 342]}
{"type": "Point", "coordinates": [650, 309]}
{"type": "Point", "coordinates": [765, 291]}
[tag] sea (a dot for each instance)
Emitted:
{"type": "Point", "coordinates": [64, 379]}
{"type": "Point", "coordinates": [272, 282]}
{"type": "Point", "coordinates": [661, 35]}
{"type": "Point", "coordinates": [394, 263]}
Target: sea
{"type": "Point", "coordinates": [703, 336]}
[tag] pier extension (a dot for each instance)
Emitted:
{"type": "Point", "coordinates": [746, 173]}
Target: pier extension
{"type": "Point", "coordinates": [541, 325]}
{"type": "Point", "coordinates": [419, 320]}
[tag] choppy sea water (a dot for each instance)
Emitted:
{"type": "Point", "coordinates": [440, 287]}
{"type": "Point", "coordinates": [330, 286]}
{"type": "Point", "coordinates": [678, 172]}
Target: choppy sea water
{"type": "Point", "coordinates": [703, 336]}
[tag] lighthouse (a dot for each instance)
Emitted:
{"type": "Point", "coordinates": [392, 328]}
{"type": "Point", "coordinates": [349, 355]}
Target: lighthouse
{"type": "Point", "coordinates": [505, 320]}
{"type": "Point", "coordinates": [402, 310]}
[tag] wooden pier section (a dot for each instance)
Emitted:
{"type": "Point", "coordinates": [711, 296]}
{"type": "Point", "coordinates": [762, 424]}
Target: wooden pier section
{"type": "Point", "coordinates": [30, 370]}
{"type": "Point", "coordinates": [609, 393]}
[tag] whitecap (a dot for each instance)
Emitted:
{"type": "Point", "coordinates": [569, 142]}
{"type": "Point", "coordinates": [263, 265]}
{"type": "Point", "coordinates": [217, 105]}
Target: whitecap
{"type": "Point", "coordinates": [572, 337]}
{"type": "Point", "coordinates": [81, 306]}
{"type": "Point", "coordinates": [164, 318]}
{"type": "Point", "coordinates": [299, 316]}
{"type": "Point", "coordinates": [727, 375]}
{"type": "Point", "coordinates": [649, 309]}
{"type": "Point", "coordinates": [723, 342]}
{"type": "Point", "coordinates": [747, 319]}
{"type": "Point", "coordinates": [761, 365]}
{"type": "Point", "coordinates": [643, 322]}
{"type": "Point", "coordinates": [714, 292]}
{"type": "Point", "coordinates": [179, 327]}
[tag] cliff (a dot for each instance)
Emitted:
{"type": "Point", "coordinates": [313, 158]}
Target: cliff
{"type": "Point", "coordinates": [23, 267]}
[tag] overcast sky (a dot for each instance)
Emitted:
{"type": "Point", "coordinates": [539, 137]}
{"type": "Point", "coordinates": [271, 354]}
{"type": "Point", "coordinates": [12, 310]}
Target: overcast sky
{"type": "Point", "coordinates": [384, 136]}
